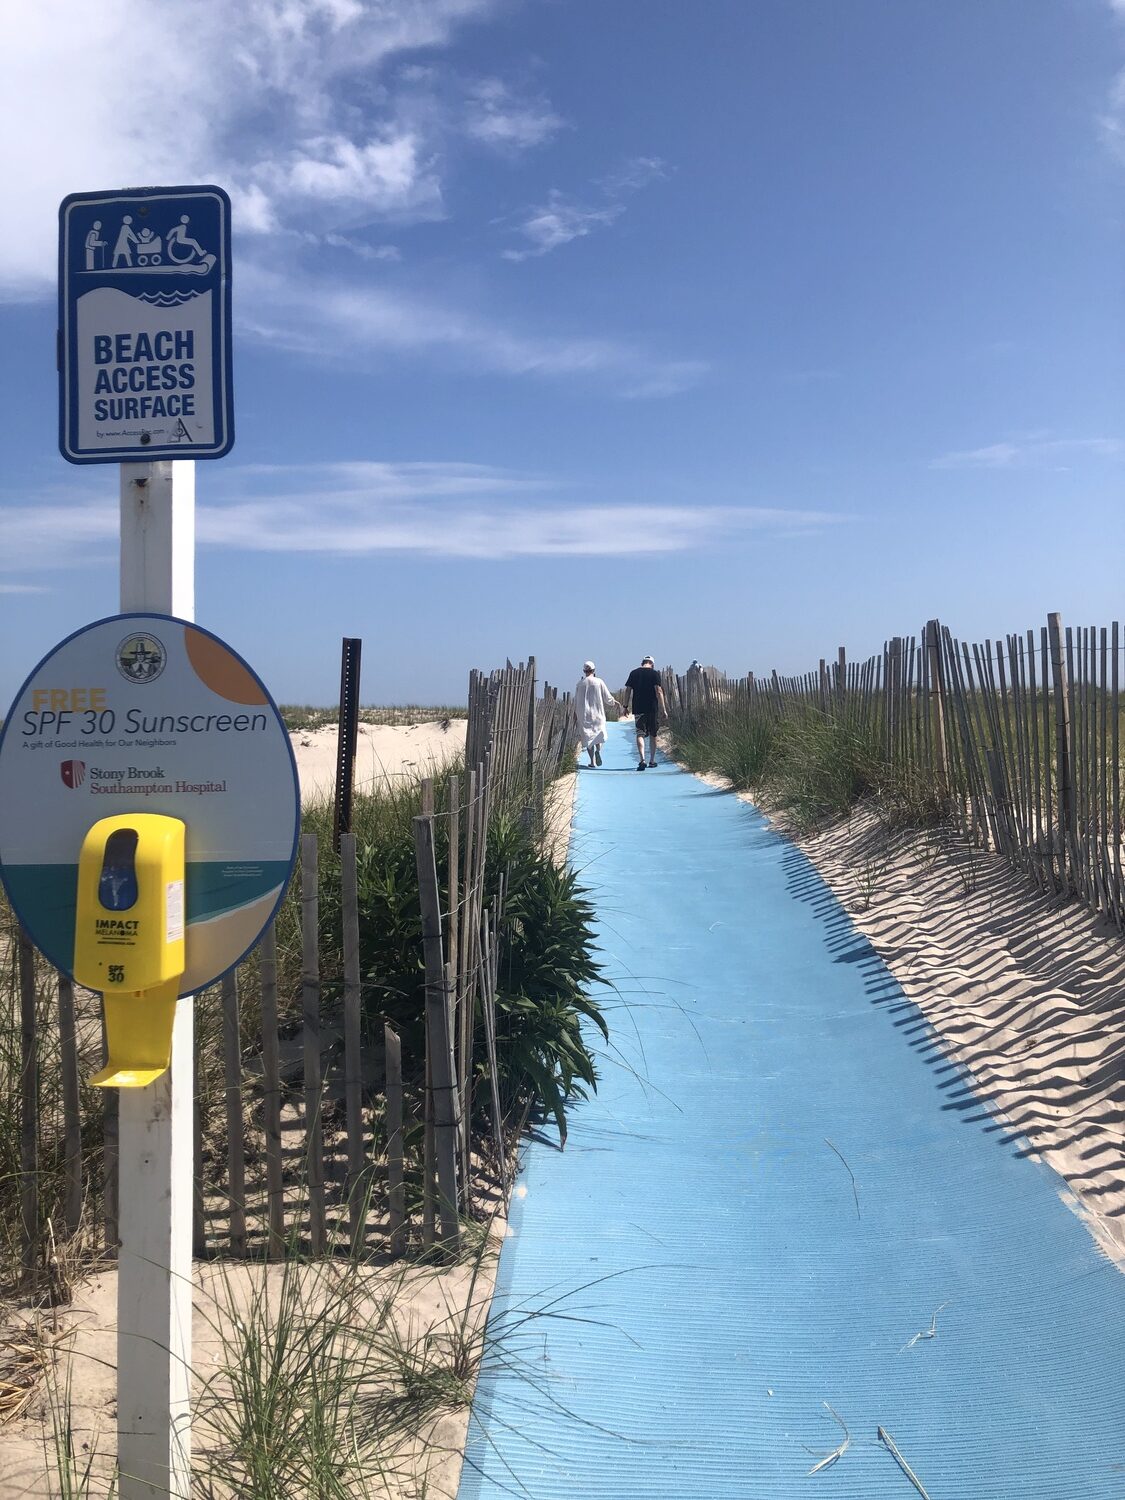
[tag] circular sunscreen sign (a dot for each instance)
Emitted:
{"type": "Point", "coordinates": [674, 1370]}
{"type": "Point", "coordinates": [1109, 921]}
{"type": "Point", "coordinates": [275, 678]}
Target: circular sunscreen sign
{"type": "Point", "coordinates": [144, 713]}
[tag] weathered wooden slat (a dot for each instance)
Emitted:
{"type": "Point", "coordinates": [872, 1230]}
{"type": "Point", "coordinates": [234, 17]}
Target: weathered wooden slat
{"type": "Point", "coordinates": [396, 1191]}
{"type": "Point", "coordinates": [971, 708]}
{"type": "Point", "coordinates": [1102, 759]}
{"type": "Point", "coordinates": [310, 1023]}
{"type": "Point", "coordinates": [1115, 769]}
{"type": "Point", "coordinates": [488, 1008]}
{"type": "Point", "coordinates": [111, 1158]}
{"type": "Point", "coordinates": [1078, 723]}
{"type": "Point", "coordinates": [232, 1101]}
{"type": "Point", "coordinates": [1050, 803]}
{"type": "Point", "coordinates": [1064, 773]}
{"type": "Point", "coordinates": [271, 1095]}
{"type": "Point", "coordinates": [1023, 776]}
{"type": "Point", "coordinates": [198, 1209]}
{"type": "Point", "coordinates": [1040, 717]}
{"type": "Point", "coordinates": [438, 1042]}
{"type": "Point", "coordinates": [29, 1109]}
{"type": "Point", "coordinates": [466, 978]}
{"type": "Point", "coordinates": [428, 1142]}
{"type": "Point", "coordinates": [72, 1107]}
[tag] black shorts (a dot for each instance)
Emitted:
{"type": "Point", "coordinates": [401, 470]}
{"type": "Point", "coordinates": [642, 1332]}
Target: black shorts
{"type": "Point", "coordinates": [646, 724]}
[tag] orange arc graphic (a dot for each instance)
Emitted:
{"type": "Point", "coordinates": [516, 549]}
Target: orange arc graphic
{"type": "Point", "coordinates": [217, 669]}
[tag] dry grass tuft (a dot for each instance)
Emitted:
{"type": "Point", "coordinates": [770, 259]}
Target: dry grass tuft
{"type": "Point", "coordinates": [25, 1357]}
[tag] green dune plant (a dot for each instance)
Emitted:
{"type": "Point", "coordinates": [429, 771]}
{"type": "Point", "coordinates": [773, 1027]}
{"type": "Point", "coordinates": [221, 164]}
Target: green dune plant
{"type": "Point", "coordinates": [547, 964]}
{"type": "Point", "coordinates": [809, 764]}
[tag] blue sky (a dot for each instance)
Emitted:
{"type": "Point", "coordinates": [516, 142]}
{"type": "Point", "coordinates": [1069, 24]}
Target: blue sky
{"type": "Point", "coordinates": [738, 330]}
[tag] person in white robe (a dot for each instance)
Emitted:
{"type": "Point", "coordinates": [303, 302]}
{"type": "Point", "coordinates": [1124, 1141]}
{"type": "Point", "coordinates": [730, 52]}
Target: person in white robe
{"type": "Point", "coordinates": [592, 700]}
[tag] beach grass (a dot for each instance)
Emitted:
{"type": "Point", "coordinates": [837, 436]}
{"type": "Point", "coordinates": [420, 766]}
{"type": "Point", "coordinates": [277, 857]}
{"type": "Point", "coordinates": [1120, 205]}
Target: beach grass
{"type": "Point", "coordinates": [809, 765]}
{"type": "Point", "coordinates": [306, 716]}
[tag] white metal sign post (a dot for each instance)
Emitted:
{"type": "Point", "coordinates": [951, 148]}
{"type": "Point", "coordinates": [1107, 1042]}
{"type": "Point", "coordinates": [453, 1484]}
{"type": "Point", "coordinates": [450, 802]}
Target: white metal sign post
{"type": "Point", "coordinates": [154, 1280]}
{"type": "Point", "coordinates": [62, 749]}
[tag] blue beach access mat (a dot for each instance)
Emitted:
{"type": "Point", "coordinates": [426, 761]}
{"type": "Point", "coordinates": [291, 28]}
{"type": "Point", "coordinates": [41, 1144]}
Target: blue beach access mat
{"type": "Point", "coordinates": [782, 1200]}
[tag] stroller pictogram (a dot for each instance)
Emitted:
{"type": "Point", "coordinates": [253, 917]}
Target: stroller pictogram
{"type": "Point", "coordinates": [149, 248]}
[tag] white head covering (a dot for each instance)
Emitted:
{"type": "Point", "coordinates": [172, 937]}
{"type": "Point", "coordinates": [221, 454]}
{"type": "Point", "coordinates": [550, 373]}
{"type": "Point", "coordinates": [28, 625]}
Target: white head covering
{"type": "Point", "coordinates": [588, 666]}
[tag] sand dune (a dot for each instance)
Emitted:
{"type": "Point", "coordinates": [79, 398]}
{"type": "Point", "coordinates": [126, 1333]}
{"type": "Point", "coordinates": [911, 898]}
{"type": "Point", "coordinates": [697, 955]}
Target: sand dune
{"type": "Point", "coordinates": [384, 752]}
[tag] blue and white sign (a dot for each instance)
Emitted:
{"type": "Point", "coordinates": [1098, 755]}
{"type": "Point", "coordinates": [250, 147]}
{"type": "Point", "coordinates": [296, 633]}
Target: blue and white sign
{"type": "Point", "coordinates": [145, 325]}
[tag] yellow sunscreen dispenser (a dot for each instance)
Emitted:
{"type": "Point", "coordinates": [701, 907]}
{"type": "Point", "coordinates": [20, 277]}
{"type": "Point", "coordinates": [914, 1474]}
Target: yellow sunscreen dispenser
{"type": "Point", "coordinates": [129, 939]}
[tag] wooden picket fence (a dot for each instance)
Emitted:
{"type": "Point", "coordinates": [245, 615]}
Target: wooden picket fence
{"type": "Point", "coordinates": [305, 1113]}
{"type": "Point", "coordinates": [526, 736]}
{"type": "Point", "coordinates": [1018, 740]}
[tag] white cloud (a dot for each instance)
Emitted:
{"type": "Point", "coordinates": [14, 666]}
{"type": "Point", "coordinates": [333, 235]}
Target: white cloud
{"type": "Point", "coordinates": [355, 521]}
{"type": "Point", "coordinates": [390, 481]}
{"type": "Point", "coordinates": [360, 508]}
{"type": "Point", "coordinates": [363, 250]}
{"type": "Point", "coordinates": [558, 222]}
{"type": "Point", "coordinates": [1112, 117]}
{"type": "Point", "coordinates": [498, 118]}
{"type": "Point", "coordinates": [1032, 453]}
{"type": "Point", "coordinates": [363, 325]}
{"type": "Point", "coordinates": [385, 177]}
{"type": "Point", "coordinates": [633, 175]}
{"type": "Point", "coordinates": [561, 219]}
{"type": "Point", "coordinates": [59, 531]}
{"type": "Point", "coordinates": [995, 456]}
{"type": "Point", "coordinates": [814, 375]}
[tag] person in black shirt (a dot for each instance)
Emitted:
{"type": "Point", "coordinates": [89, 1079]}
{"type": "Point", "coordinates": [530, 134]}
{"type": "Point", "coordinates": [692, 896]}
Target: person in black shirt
{"type": "Point", "coordinates": [645, 695]}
